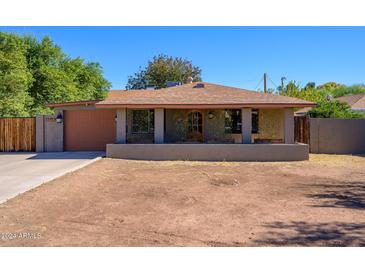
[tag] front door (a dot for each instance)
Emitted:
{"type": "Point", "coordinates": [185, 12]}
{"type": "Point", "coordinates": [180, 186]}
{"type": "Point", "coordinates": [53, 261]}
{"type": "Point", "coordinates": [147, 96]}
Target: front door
{"type": "Point", "coordinates": [195, 126]}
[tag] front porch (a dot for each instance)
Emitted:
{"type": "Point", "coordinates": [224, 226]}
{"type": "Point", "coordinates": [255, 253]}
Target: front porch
{"type": "Point", "coordinates": [209, 126]}
{"type": "Point", "coordinates": [246, 134]}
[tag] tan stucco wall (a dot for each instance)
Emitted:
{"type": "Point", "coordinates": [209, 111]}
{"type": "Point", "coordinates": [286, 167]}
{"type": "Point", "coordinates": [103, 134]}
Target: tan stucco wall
{"type": "Point", "coordinates": [214, 128]}
{"type": "Point", "coordinates": [175, 122]}
{"type": "Point", "coordinates": [210, 152]}
{"type": "Point", "coordinates": [271, 124]}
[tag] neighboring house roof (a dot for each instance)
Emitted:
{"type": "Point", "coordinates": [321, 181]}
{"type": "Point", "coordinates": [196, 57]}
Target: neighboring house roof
{"type": "Point", "coordinates": [197, 95]}
{"type": "Point", "coordinates": [356, 101]}
{"type": "Point", "coordinates": [302, 111]}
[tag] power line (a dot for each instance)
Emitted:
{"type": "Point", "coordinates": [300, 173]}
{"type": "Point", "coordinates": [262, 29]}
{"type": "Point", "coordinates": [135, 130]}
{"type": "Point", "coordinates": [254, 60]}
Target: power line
{"type": "Point", "coordinates": [262, 78]}
{"type": "Point", "coordinates": [273, 82]}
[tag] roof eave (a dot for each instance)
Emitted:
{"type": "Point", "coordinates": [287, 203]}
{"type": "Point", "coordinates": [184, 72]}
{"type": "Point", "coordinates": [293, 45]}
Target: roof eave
{"type": "Point", "coordinates": [76, 103]}
{"type": "Point", "coordinates": [206, 106]}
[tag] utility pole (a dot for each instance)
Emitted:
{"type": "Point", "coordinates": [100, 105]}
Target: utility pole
{"type": "Point", "coordinates": [265, 76]}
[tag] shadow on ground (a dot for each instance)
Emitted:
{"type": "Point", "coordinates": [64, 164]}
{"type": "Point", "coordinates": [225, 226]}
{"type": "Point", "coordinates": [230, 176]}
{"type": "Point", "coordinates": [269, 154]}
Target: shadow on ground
{"type": "Point", "coordinates": [313, 234]}
{"type": "Point", "coordinates": [340, 195]}
{"type": "Point", "coordinates": [87, 155]}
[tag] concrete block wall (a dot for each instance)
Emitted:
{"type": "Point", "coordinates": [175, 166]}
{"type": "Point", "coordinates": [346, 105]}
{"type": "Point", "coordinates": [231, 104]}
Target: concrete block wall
{"type": "Point", "coordinates": [337, 136]}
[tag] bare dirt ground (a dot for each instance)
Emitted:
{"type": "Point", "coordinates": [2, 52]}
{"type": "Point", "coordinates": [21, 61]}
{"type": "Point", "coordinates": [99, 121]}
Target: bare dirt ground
{"type": "Point", "coordinates": [112, 202]}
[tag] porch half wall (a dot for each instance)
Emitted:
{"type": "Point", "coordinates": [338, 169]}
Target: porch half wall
{"type": "Point", "coordinates": [209, 152]}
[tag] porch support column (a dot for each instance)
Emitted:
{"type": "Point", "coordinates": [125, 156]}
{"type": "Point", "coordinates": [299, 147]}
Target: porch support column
{"type": "Point", "coordinates": [159, 125]}
{"type": "Point", "coordinates": [289, 126]}
{"type": "Point", "coordinates": [246, 125]}
{"type": "Point", "coordinates": [121, 127]}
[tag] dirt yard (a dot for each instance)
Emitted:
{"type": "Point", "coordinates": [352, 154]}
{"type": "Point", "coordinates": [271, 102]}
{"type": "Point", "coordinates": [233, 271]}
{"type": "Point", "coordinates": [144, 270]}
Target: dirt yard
{"type": "Point", "coordinates": [140, 203]}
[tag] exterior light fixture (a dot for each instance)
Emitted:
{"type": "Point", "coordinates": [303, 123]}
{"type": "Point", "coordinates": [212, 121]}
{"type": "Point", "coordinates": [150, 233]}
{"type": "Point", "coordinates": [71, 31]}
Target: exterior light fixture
{"type": "Point", "coordinates": [59, 118]}
{"type": "Point", "coordinates": [210, 115]}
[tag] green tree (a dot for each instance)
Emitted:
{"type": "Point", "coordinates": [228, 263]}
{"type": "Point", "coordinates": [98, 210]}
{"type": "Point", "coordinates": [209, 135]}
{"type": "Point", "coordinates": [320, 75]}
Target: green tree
{"type": "Point", "coordinates": [34, 73]}
{"type": "Point", "coordinates": [347, 90]}
{"type": "Point", "coordinates": [292, 89]}
{"type": "Point", "coordinates": [15, 78]}
{"type": "Point", "coordinates": [58, 78]}
{"type": "Point", "coordinates": [162, 69]}
{"type": "Point", "coordinates": [330, 86]}
{"type": "Point", "coordinates": [138, 80]}
{"type": "Point", "coordinates": [334, 109]}
{"type": "Point", "coordinates": [88, 79]}
{"type": "Point", "coordinates": [326, 107]}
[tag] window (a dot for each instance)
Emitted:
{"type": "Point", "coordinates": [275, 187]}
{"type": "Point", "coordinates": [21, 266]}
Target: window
{"type": "Point", "coordinates": [142, 121]}
{"type": "Point", "coordinates": [195, 126]}
{"type": "Point", "coordinates": [195, 122]}
{"type": "Point", "coordinates": [233, 121]}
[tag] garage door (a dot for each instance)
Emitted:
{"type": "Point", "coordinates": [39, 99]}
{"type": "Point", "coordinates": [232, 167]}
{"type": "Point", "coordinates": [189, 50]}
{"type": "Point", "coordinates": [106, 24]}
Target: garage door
{"type": "Point", "coordinates": [88, 130]}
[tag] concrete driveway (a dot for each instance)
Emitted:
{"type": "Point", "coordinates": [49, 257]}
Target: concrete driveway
{"type": "Point", "coordinates": [20, 172]}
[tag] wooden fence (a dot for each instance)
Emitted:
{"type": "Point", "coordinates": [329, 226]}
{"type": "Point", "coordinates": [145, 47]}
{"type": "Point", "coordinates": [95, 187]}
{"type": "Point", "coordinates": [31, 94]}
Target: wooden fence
{"type": "Point", "coordinates": [302, 129]}
{"type": "Point", "coordinates": [17, 134]}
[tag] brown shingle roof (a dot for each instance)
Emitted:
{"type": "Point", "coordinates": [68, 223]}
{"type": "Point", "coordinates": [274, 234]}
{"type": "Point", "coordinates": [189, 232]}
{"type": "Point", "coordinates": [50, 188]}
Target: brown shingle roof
{"type": "Point", "coordinates": [190, 95]}
{"type": "Point", "coordinates": [356, 101]}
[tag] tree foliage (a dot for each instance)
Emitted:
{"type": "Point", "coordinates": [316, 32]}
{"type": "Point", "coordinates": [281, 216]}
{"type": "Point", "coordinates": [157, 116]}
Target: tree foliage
{"type": "Point", "coordinates": [325, 97]}
{"type": "Point", "coordinates": [42, 73]}
{"type": "Point", "coordinates": [293, 89]}
{"type": "Point", "coordinates": [162, 69]}
{"type": "Point", "coordinates": [347, 90]}
{"type": "Point", "coordinates": [15, 77]}
{"type": "Point", "coordinates": [334, 109]}
{"type": "Point", "coordinates": [330, 86]}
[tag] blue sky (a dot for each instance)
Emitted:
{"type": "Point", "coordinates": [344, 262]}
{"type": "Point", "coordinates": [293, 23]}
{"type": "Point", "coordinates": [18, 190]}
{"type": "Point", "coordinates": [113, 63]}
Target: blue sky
{"type": "Point", "coordinates": [234, 56]}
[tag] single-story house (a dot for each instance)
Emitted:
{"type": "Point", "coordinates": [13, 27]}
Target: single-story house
{"type": "Point", "coordinates": [356, 101]}
{"type": "Point", "coordinates": [194, 121]}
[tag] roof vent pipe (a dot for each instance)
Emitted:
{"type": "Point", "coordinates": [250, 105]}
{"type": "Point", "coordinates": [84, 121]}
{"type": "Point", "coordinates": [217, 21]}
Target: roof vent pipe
{"type": "Point", "coordinates": [199, 85]}
{"type": "Point", "coordinates": [170, 84]}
